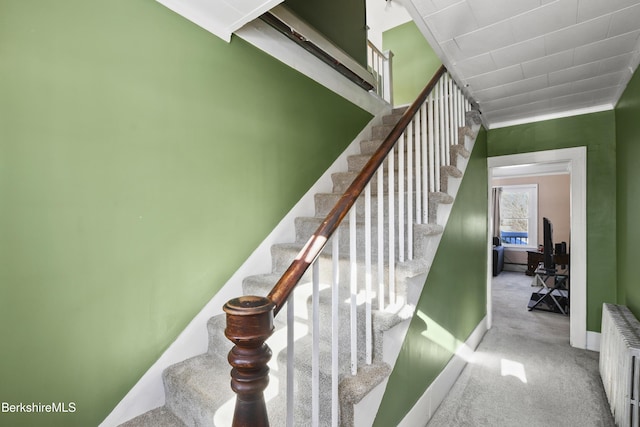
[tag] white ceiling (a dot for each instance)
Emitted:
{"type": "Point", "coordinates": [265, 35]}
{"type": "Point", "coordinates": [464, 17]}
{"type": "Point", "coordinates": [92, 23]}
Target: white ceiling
{"type": "Point", "coordinates": [525, 60]}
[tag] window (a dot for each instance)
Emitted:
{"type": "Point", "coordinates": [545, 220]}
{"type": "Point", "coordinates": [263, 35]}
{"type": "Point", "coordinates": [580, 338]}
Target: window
{"type": "Point", "coordinates": [519, 215]}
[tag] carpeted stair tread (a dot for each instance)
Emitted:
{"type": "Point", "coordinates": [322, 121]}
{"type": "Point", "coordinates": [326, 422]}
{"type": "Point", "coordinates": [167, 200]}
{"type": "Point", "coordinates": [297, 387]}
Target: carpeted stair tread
{"type": "Point", "coordinates": [354, 388]}
{"type": "Point", "coordinates": [196, 387]}
{"type": "Point", "coordinates": [458, 150]}
{"type": "Point", "coordinates": [446, 173]}
{"type": "Point", "coordinates": [357, 162]}
{"type": "Point", "coordinates": [284, 253]}
{"type": "Point", "coordinates": [307, 226]}
{"type": "Point", "coordinates": [440, 197]}
{"type": "Point", "coordinates": [324, 203]}
{"type": "Point", "coordinates": [303, 350]}
{"type": "Point", "coordinates": [351, 388]}
{"type": "Point", "coordinates": [159, 417]}
{"type": "Point", "coordinates": [218, 342]}
{"type": "Point", "coordinates": [393, 117]}
{"type": "Point", "coordinates": [342, 180]}
{"type": "Point", "coordinates": [369, 146]}
{"type": "Point", "coordinates": [259, 284]}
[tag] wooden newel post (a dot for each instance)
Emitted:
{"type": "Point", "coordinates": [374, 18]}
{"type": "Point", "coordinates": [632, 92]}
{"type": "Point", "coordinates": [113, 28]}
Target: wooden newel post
{"type": "Point", "coordinates": [249, 324]}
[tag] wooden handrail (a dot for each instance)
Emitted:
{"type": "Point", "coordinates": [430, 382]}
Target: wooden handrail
{"type": "Point", "coordinates": [281, 291]}
{"type": "Point", "coordinates": [250, 318]}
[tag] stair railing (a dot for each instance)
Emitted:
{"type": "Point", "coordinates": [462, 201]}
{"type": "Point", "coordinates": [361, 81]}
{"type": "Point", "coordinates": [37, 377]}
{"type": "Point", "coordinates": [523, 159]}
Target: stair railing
{"type": "Point", "coordinates": [424, 136]}
{"type": "Point", "coordinates": [380, 65]}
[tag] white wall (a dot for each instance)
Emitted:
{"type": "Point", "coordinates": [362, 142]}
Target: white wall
{"type": "Point", "coordinates": [382, 16]}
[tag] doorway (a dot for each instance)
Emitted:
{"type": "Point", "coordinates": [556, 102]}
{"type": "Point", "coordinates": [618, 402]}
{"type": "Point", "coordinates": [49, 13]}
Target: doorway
{"type": "Point", "coordinates": [574, 160]}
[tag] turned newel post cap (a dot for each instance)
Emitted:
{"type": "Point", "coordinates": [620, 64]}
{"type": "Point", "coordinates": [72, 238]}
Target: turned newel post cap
{"type": "Point", "coordinates": [249, 318]}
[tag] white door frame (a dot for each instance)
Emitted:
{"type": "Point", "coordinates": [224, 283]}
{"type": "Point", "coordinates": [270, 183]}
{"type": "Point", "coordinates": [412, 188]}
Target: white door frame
{"type": "Point", "coordinates": [576, 158]}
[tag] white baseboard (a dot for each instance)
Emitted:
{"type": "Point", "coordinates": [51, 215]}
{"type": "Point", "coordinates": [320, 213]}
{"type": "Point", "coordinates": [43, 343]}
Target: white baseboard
{"type": "Point", "coordinates": [593, 341]}
{"type": "Point", "coordinates": [518, 268]}
{"type": "Point", "coordinates": [148, 392]}
{"type": "Point", "coordinates": [423, 410]}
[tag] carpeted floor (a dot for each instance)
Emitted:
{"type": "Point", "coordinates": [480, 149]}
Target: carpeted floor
{"type": "Point", "coordinates": [524, 373]}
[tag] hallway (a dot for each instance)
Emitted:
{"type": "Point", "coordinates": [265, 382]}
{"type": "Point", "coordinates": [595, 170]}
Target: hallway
{"type": "Point", "coordinates": [524, 373]}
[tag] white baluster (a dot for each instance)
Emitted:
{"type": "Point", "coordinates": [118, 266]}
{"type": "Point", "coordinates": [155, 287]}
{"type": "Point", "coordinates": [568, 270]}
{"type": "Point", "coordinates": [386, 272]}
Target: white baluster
{"type": "Point", "coordinates": [446, 128]}
{"type": "Point", "coordinates": [460, 113]}
{"type": "Point", "coordinates": [315, 356]}
{"type": "Point", "coordinates": [335, 331]}
{"type": "Point", "coordinates": [450, 97]}
{"type": "Point", "coordinates": [456, 116]}
{"type": "Point", "coordinates": [439, 136]}
{"type": "Point", "coordinates": [452, 124]}
{"type": "Point", "coordinates": [419, 143]}
{"type": "Point", "coordinates": [427, 157]}
{"type": "Point", "coordinates": [391, 243]}
{"type": "Point", "coordinates": [290, 357]}
{"type": "Point", "coordinates": [367, 262]}
{"type": "Point", "coordinates": [353, 266]}
{"type": "Point", "coordinates": [381, 237]}
{"type": "Point", "coordinates": [401, 194]}
{"type": "Point", "coordinates": [388, 77]}
{"type": "Point", "coordinates": [414, 127]}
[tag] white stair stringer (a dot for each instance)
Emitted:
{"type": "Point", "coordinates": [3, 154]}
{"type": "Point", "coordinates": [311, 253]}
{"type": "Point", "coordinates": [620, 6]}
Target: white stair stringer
{"type": "Point", "coordinates": [197, 390]}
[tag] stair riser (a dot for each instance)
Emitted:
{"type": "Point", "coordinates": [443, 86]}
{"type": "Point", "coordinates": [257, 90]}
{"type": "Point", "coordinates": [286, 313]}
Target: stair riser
{"type": "Point", "coordinates": [391, 119]}
{"type": "Point", "coordinates": [425, 246]}
{"type": "Point", "coordinates": [370, 146]}
{"type": "Point", "coordinates": [358, 162]}
{"type": "Point", "coordinates": [325, 203]}
{"type": "Point", "coordinates": [382, 131]}
{"type": "Point", "coordinates": [434, 204]}
{"type": "Point", "coordinates": [367, 148]}
{"type": "Point", "coordinates": [303, 354]}
{"type": "Point", "coordinates": [218, 342]}
{"type": "Point", "coordinates": [303, 314]}
{"type": "Point", "coordinates": [342, 181]}
{"type": "Point", "coordinates": [306, 227]}
{"type": "Point", "coordinates": [282, 261]}
{"type": "Point", "coordinates": [446, 173]}
{"type": "Point", "coordinates": [457, 152]}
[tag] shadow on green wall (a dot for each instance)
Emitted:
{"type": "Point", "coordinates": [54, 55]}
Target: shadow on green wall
{"type": "Point", "coordinates": [453, 301]}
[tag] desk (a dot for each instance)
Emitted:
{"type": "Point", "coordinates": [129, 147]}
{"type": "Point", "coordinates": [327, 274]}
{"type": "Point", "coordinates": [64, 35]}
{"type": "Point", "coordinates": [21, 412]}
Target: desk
{"type": "Point", "coordinates": [552, 296]}
{"type": "Point", "coordinates": [561, 260]}
{"type": "Point", "coordinates": [533, 259]}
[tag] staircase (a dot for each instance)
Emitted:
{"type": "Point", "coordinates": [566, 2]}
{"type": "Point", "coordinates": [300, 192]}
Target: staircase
{"type": "Point", "coordinates": [197, 390]}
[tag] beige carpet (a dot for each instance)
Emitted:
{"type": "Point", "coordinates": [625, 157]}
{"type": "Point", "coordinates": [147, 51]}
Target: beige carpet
{"type": "Point", "coordinates": [524, 372]}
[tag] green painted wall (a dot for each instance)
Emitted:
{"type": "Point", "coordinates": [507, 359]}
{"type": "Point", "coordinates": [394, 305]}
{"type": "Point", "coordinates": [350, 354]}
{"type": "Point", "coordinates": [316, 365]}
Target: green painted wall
{"type": "Point", "coordinates": [341, 21]}
{"type": "Point", "coordinates": [596, 132]}
{"type": "Point", "coordinates": [414, 62]}
{"type": "Point", "coordinates": [453, 301]}
{"type": "Point", "coordinates": [142, 160]}
{"type": "Point", "coordinates": [628, 193]}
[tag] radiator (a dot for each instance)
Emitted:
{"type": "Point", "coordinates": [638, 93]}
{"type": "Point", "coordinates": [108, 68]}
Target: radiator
{"type": "Point", "coordinates": [620, 363]}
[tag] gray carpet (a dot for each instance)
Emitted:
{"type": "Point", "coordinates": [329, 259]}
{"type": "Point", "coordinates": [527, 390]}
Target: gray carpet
{"type": "Point", "coordinates": [524, 372]}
